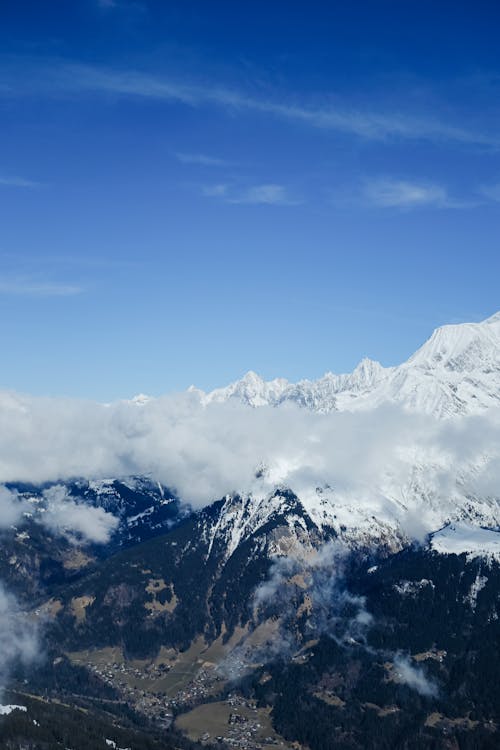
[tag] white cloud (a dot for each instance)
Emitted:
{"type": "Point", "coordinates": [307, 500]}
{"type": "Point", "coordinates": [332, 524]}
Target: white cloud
{"type": "Point", "coordinates": [414, 676]}
{"type": "Point", "coordinates": [63, 515]}
{"type": "Point", "coordinates": [492, 192]}
{"type": "Point", "coordinates": [219, 190]}
{"type": "Point", "coordinates": [69, 78]}
{"type": "Point", "coordinates": [19, 182]}
{"type": "Point", "coordinates": [18, 637]}
{"type": "Point", "coordinates": [313, 575]}
{"type": "Point", "coordinates": [202, 160]}
{"type": "Point", "coordinates": [270, 194]}
{"type": "Point", "coordinates": [60, 513]}
{"type": "Point", "coordinates": [128, 5]}
{"type": "Point", "coordinates": [35, 288]}
{"type": "Point", "coordinates": [392, 193]}
{"type": "Point", "coordinates": [11, 508]}
{"type": "Point", "coordinates": [385, 463]}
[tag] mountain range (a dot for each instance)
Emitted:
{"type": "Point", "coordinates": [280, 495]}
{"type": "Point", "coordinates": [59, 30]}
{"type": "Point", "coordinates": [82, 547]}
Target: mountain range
{"type": "Point", "coordinates": [456, 372]}
{"type": "Point", "coordinates": [345, 596]}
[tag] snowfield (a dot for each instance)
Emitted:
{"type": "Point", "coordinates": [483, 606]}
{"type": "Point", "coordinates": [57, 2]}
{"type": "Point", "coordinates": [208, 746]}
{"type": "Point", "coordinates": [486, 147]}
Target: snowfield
{"type": "Point", "coordinates": [456, 539]}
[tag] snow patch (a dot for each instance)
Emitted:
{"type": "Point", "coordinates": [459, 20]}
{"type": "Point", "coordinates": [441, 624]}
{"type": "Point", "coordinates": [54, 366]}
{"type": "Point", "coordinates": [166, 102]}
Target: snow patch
{"type": "Point", "coordinates": [459, 538]}
{"type": "Point", "coordinates": [5, 710]}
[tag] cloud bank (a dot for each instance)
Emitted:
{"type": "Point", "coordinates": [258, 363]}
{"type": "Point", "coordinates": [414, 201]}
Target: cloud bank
{"type": "Point", "coordinates": [404, 468]}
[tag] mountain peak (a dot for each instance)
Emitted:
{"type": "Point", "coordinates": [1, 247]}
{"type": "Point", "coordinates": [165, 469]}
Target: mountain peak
{"type": "Point", "coordinates": [368, 367]}
{"type": "Point", "coordinates": [140, 399]}
{"type": "Point", "coordinates": [251, 378]}
{"type": "Point", "coordinates": [456, 371]}
{"type": "Point", "coordinates": [462, 347]}
{"type": "Point", "coordinates": [495, 318]}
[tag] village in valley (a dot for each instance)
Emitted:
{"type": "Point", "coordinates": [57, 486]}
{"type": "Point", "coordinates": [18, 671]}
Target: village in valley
{"type": "Point", "coordinates": [186, 690]}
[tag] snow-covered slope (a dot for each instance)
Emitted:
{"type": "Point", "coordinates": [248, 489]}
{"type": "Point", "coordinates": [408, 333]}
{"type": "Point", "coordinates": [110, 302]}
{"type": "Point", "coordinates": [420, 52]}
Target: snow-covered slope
{"type": "Point", "coordinates": [319, 395]}
{"type": "Point", "coordinates": [464, 538]}
{"type": "Point", "coordinates": [389, 517]}
{"type": "Point", "coordinates": [279, 519]}
{"type": "Point", "coordinates": [120, 511]}
{"type": "Point", "coordinates": [294, 526]}
{"type": "Point", "coordinates": [457, 371]}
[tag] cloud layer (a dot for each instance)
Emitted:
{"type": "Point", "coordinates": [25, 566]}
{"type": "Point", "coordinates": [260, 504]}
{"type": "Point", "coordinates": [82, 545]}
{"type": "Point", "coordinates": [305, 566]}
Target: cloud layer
{"type": "Point", "coordinates": [401, 467]}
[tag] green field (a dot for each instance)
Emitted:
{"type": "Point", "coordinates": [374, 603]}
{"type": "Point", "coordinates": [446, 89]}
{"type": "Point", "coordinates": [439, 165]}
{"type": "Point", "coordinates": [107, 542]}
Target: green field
{"type": "Point", "coordinates": [213, 718]}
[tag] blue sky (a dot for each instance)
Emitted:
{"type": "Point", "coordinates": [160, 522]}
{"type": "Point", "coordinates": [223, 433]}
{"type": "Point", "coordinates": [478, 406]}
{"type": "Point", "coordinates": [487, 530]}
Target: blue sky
{"type": "Point", "coordinates": [189, 190]}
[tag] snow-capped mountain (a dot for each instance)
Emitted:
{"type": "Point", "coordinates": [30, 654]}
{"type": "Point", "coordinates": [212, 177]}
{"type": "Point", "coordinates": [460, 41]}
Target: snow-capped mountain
{"type": "Point", "coordinates": [319, 395]}
{"type": "Point", "coordinates": [375, 477]}
{"type": "Point", "coordinates": [279, 518]}
{"type": "Point", "coordinates": [137, 508]}
{"type": "Point", "coordinates": [457, 371]}
{"type": "Point", "coordinates": [373, 521]}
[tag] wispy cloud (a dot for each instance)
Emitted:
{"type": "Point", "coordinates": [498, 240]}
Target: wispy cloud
{"type": "Point", "coordinates": [386, 192]}
{"type": "Point", "coordinates": [414, 676]}
{"type": "Point", "coordinates": [19, 637]}
{"type": "Point", "coordinates": [35, 264]}
{"type": "Point", "coordinates": [203, 160]}
{"type": "Point", "coordinates": [18, 182]}
{"type": "Point", "coordinates": [121, 4]}
{"type": "Point", "coordinates": [31, 288]}
{"type": "Point", "coordinates": [491, 192]}
{"type": "Point", "coordinates": [62, 78]}
{"type": "Point", "coordinates": [219, 190]}
{"type": "Point", "coordinates": [270, 194]}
